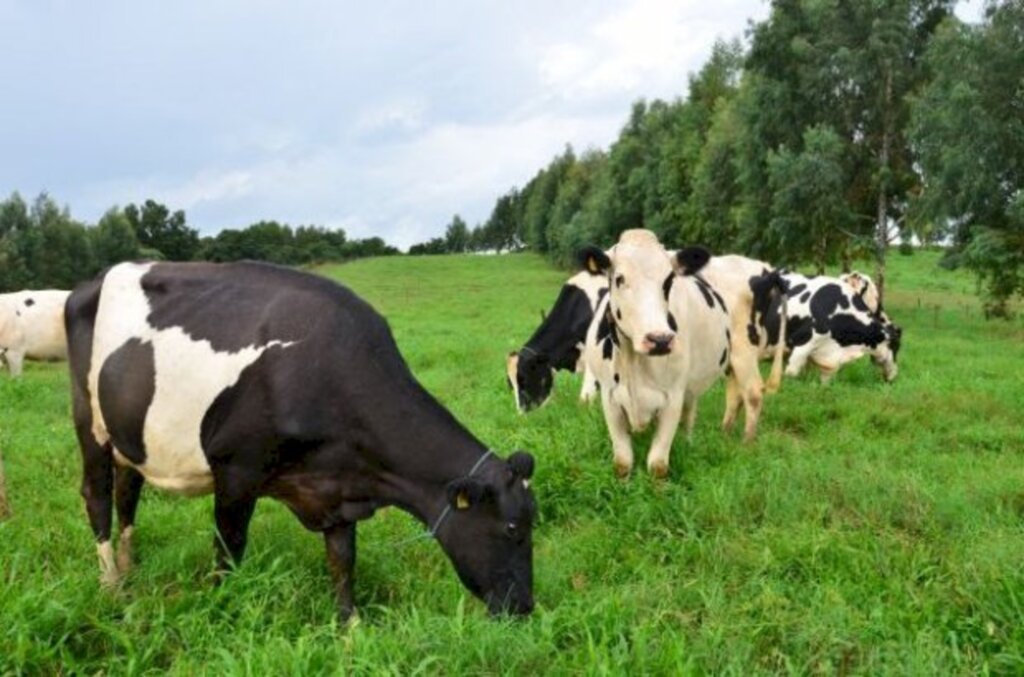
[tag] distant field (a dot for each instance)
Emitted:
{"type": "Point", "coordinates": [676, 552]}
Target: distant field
{"type": "Point", "coordinates": [870, 529]}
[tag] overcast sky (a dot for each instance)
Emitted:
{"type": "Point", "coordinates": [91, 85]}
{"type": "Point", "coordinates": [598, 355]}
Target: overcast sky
{"type": "Point", "coordinates": [384, 118]}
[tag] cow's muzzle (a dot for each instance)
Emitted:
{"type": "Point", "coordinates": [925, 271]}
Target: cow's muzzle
{"type": "Point", "coordinates": [658, 344]}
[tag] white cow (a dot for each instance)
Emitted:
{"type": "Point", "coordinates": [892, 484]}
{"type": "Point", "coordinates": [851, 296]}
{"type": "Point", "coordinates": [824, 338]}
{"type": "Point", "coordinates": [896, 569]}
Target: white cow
{"type": "Point", "coordinates": [748, 287]}
{"type": "Point", "coordinates": [660, 338]}
{"type": "Point", "coordinates": [32, 327]}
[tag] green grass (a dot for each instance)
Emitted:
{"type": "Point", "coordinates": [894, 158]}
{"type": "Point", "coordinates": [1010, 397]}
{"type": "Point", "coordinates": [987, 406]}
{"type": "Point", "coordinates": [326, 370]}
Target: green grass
{"type": "Point", "coordinates": [870, 529]}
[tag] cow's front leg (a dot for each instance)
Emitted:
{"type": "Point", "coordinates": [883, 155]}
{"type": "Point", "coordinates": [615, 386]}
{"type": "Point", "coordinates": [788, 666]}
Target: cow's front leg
{"type": "Point", "coordinates": [232, 513]}
{"type": "Point", "coordinates": [127, 489]}
{"type": "Point", "coordinates": [15, 359]}
{"type": "Point", "coordinates": [341, 560]}
{"type": "Point", "coordinates": [661, 446]}
{"type": "Point", "coordinates": [798, 359]}
{"type": "Point", "coordinates": [618, 430]}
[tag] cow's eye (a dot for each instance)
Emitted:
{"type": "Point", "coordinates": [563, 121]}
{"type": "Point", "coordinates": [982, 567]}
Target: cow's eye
{"type": "Point", "coordinates": [512, 529]}
{"type": "Point", "coordinates": [620, 280]}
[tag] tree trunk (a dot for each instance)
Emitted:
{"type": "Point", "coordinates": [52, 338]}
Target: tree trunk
{"type": "Point", "coordinates": [882, 224]}
{"type": "Point", "coordinates": [5, 508]}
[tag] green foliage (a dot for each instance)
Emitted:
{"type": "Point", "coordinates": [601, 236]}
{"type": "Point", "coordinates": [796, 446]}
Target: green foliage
{"type": "Point", "coordinates": [871, 529]}
{"type": "Point", "coordinates": [969, 132]}
{"type": "Point", "coordinates": [156, 227]}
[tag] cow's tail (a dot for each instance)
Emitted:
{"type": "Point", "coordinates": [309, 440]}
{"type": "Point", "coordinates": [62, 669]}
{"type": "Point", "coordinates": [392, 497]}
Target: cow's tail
{"type": "Point", "coordinates": [775, 376]}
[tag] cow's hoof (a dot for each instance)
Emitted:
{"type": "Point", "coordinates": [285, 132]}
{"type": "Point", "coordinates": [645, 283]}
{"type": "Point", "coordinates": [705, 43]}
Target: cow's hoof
{"type": "Point", "coordinates": [622, 470]}
{"type": "Point", "coordinates": [110, 580]}
{"type": "Point", "coordinates": [658, 469]}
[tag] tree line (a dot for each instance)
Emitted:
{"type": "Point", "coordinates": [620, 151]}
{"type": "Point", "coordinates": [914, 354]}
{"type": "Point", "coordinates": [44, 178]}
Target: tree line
{"type": "Point", "coordinates": [838, 129]}
{"type": "Point", "coordinates": [42, 245]}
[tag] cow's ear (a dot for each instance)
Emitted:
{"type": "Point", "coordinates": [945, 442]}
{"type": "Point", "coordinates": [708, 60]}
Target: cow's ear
{"type": "Point", "coordinates": [689, 260]}
{"type": "Point", "coordinates": [594, 260]}
{"type": "Point", "coordinates": [465, 492]}
{"type": "Point", "coordinates": [521, 465]}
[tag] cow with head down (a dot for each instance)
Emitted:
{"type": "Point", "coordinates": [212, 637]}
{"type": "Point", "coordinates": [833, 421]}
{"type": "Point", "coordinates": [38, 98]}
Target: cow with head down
{"type": "Point", "coordinates": [557, 343]}
{"type": "Point", "coordinates": [248, 380]}
{"type": "Point", "coordinates": [833, 321]}
{"type": "Point", "coordinates": [659, 340]}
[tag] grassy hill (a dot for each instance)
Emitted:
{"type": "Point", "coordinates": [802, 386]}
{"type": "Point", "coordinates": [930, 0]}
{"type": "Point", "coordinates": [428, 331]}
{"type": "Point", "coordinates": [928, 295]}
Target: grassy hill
{"type": "Point", "coordinates": [871, 528]}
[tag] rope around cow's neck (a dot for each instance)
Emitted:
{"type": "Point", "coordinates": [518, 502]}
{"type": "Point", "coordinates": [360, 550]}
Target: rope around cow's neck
{"type": "Point", "coordinates": [432, 531]}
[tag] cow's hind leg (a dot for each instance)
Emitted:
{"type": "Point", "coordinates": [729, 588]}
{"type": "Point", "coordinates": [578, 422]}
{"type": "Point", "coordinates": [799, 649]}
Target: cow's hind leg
{"type": "Point", "coordinates": [233, 504]}
{"type": "Point", "coordinates": [733, 400]}
{"type": "Point", "coordinates": [127, 490]}
{"type": "Point", "coordinates": [97, 490]}
{"type": "Point", "coordinates": [341, 560]}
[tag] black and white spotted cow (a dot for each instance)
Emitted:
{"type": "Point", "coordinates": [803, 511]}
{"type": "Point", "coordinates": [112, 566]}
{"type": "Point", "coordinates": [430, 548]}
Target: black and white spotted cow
{"type": "Point", "coordinates": [32, 327]}
{"type": "Point", "coordinates": [830, 323]}
{"type": "Point", "coordinates": [748, 287]}
{"type": "Point", "coordinates": [557, 343]}
{"type": "Point", "coordinates": [659, 340]}
{"type": "Point", "coordinates": [248, 380]}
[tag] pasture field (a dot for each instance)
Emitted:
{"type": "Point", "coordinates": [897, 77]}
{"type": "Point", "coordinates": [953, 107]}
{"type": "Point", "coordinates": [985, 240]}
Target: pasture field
{"type": "Point", "coordinates": [871, 529]}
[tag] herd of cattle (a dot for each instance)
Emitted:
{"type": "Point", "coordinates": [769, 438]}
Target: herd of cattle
{"type": "Point", "coordinates": [247, 380]}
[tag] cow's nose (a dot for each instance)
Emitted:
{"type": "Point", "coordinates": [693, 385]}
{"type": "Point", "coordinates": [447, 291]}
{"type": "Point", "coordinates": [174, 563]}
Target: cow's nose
{"type": "Point", "coordinates": [660, 342]}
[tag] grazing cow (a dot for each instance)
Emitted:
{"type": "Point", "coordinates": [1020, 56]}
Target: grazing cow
{"type": "Point", "coordinates": [32, 327]}
{"type": "Point", "coordinates": [748, 287]}
{"type": "Point", "coordinates": [830, 323]}
{"type": "Point", "coordinates": [660, 339]}
{"type": "Point", "coordinates": [557, 343]}
{"type": "Point", "coordinates": [250, 380]}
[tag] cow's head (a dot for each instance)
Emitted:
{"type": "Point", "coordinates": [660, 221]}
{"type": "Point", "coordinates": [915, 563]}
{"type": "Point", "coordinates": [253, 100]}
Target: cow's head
{"type": "Point", "coordinates": [531, 377]}
{"type": "Point", "coordinates": [489, 533]}
{"type": "Point", "coordinates": [885, 354]}
{"type": "Point", "coordinates": [640, 274]}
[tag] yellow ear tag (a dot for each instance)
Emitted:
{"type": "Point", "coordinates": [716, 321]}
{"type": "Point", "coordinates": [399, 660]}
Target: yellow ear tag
{"type": "Point", "coordinates": [462, 501]}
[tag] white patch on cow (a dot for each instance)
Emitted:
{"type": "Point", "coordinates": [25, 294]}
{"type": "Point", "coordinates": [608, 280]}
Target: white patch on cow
{"type": "Point", "coordinates": [590, 284]}
{"type": "Point", "coordinates": [33, 331]}
{"type": "Point", "coordinates": [190, 374]}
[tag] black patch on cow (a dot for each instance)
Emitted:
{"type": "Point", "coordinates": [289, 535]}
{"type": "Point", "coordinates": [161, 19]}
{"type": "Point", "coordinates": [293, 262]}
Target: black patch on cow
{"type": "Point", "coordinates": [666, 286]}
{"type": "Point", "coordinates": [728, 336]}
{"type": "Point", "coordinates": [824, 303]}
{"type": "Point", "coordinates": [606, 348]}
{"type": "Point", "coordinates": [721, 301]}
{"type": "Point", "coordinates": [237, 305]}
{"type": "Point", "coordinates": [127, 382]}
{"type": "Point", "coordinates": [752, 334]}
{"type": "Point", "coordinates": [805, 297]}
{"type": "Point", "coordinates": [672, 322]}
{"type": "Point", "coordinates": [724, 358]}
{"type": "Point", "coordinates": [705, 291]}
{"type": "Point", "coordinates": [799, 331]}
{"type": "Point", "coordinates": [601, 293]}
{"type": "Point", "coordinates": [29, 302]}
{"type": "Point", "coordinates": [604, 328]}
{"type": "Point", "coordinates": [847, 330]}
{"type": "Point", "coordinates": [617, 378]}
{"type": "Point", "coordinates": [858, 303]}
{"type": "Point", "coordinates": [618, 314]}
{"type": "Point", "coordinates": [796, 289]}
{"type": "Point", "coordinates": [692, 259]}
{"type": "Point", "coordinates": [562, 330]}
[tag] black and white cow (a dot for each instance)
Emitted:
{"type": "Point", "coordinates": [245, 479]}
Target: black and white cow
{"type": "Point", "coordinates": [557, 343]}
{"type": "Point", "coordinates": [660, 339]}
{"type": "Point", "coordinates": [32, 327]}
{"type": "Point", "coordinates": [249, 380]}
{"type": "Point", "coordinates": [829, 323]}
